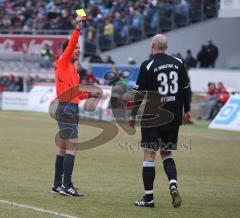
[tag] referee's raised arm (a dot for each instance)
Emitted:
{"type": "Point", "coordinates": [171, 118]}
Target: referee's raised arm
{"type": "Point", "coordinates": [69, 46]}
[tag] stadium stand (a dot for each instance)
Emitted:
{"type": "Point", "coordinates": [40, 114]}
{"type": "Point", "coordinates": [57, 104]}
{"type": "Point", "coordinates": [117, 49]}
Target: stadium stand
{"type": "Point", "coordinates": [13, 83]}
{"type": "Point", "coordinates": [28, 73]}
{"type": "Point", "coordinates": [109, 24]}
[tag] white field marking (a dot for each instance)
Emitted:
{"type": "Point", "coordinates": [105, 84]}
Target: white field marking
{"type": "Point", "coordinates": [41, 210]}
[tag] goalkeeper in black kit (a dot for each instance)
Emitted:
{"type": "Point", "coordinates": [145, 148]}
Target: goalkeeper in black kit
{"type": "Point", "coordinates": [164, 85]}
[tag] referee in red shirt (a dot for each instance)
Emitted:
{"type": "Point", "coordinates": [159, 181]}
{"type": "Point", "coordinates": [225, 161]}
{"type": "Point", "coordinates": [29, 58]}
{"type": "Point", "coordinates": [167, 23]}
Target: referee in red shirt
{"type": "Point", "coordinates": [67, 83]}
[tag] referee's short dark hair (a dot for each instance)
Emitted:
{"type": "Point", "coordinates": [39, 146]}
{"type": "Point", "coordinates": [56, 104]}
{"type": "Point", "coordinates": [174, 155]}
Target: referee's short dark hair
{"type": "Point", "coordinates": [65, 44]}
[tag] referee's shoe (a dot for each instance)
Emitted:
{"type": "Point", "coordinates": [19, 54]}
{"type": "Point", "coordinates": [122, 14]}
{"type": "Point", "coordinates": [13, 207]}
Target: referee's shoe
{"type": "Point", "coordinates": [70, 191]}
{"type": "Point", "coordinates": [56, 189]}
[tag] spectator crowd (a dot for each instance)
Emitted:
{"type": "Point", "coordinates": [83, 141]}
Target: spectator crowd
{"type": "Point", "coordinates": [14, 83]}
{"type": "Point", "coordinates": [58, 14]}
{"type": "Point", "coordinates": [212, 102]}
{"type": "Point", "coordinates": [120, 21]}
{"type": "Point", "coordinates": [206, 57]}
{"type": "Point", "coordinates": [11, 83]}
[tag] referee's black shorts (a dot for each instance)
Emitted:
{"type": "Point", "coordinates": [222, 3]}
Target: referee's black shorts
{"type": "Point", "coordinates": [67, 115]}
{"type": "Point", "coordinates": [156, 138]}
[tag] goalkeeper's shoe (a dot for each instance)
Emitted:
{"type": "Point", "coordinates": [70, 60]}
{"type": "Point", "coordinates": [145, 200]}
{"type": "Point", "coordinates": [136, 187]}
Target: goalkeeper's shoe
{"type": "Point", "coordinates": [70, 191]}
{"type": "Point", "coordinates": [176, 199]}
{"type": "Point", "coordinates": [144, 203]}
{"type": "Point", "coordinates": [56, 189]}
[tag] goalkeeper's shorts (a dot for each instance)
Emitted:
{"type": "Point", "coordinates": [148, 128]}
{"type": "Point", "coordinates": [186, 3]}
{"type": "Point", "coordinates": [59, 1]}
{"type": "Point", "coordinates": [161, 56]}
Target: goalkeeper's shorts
{"type": "Point", "coordinates": [156, 138]}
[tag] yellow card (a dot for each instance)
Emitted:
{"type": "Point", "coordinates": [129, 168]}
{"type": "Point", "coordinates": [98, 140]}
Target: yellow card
{"type": "Point", "coordinates": [81, 13]}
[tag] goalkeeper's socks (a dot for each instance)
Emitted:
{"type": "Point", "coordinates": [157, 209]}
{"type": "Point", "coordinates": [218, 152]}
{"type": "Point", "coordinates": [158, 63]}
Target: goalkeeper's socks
{"type": "Point", "coordinates": [148, 174]}
{"type": "Point", "coordinates": [68, 164]}
{"type": "Point", "coordinates": [170, 169]}
{"type": "Point", "coordinates": [58, 170]}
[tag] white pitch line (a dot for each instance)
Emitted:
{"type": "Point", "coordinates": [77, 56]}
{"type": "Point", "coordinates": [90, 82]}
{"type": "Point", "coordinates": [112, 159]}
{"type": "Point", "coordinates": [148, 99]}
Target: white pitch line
{"type": "Point", "coordinates": [36, 209]}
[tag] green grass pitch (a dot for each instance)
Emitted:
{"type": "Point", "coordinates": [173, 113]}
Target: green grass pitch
{"type": "Point", "coordinates": [110, 175]}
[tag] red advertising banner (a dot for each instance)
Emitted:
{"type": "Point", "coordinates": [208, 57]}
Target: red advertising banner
{"type": "Point", "coordinates": [30, 45]}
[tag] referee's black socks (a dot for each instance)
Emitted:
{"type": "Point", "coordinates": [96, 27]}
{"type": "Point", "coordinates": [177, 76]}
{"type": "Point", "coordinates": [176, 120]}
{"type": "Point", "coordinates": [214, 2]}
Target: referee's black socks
{"type": "Point", "coordinates": [148, 175]}
{"type": "Point", "coordinates": [170, 169]}
{"type": "Point", "coordinates": [58, 170]}
{"type": "Point", "coordinates": [68, 164]}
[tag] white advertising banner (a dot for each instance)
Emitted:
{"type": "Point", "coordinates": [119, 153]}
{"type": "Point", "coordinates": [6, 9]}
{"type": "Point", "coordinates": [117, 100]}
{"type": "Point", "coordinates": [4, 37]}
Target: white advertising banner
{"type": "Point", "coordinates": [229, 8]}
{"type": "Point", "coordinates": [201, 77]}
{"type": "Point", "coordinates": [15, 101]}
{"type": "Point", "coordinates": [228, 117]}
{"type": "Point", "coordinates": [103, 103]}
{"type": "Point", "coordinates": [41, 96]}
